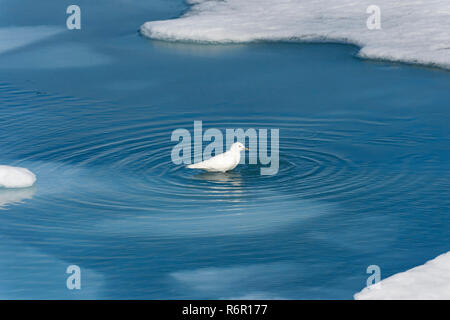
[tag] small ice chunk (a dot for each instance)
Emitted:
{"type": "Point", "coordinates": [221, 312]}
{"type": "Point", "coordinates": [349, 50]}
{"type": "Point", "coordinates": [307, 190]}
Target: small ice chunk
{"type": "Point", "coordinates": [15, 177]}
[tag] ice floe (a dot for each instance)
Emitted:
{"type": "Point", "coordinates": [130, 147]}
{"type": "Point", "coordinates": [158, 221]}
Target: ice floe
{"type": "Point", "coordinates": [411, 31]}
{"type": "Point", "coordinates": [426, 282]}
{"type": "Point", "coordinates": [15, 177]}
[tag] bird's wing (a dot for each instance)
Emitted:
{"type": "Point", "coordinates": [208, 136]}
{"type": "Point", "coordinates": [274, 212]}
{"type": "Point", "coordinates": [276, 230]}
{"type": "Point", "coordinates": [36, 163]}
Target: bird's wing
{"type": "Point", "coordinates": [217, 162]}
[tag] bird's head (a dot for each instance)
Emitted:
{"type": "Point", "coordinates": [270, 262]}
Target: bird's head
{"type": "Point", "coordinates": [237, 146]}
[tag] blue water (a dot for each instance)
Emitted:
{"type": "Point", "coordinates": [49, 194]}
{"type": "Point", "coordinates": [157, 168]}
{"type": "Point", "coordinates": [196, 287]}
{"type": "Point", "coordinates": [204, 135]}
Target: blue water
{"type": "Point", "coordinates": [363, 179]}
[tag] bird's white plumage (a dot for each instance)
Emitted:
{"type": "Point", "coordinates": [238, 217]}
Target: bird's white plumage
{"type": "Point", "coordinates": [223, 162]}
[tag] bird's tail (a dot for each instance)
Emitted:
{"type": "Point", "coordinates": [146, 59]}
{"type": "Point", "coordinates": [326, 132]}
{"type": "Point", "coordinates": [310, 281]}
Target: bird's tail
{"type": "Point", "coordinates": [195, 166]}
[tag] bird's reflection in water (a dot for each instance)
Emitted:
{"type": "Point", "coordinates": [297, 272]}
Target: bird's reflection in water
{"type": "Point", "coordinates": [228, 183]}
{"type": "Point", "coordinates": [12, 196]}
{"type": "Point", "coordinates": [234, 178]}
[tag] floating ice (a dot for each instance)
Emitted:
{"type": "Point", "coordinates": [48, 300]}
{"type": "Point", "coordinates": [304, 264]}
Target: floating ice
{"type": "Point", "coordinates": [427, 282]}
{"type": "Point", "coordinates": [15, 177]}
{"type": "Point", "coordinates": [411, 31]}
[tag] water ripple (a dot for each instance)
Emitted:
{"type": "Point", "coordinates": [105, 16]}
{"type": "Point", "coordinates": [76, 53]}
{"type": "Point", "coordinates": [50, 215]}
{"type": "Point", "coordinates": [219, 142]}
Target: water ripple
{"type": "Point", "coordinates": [130, 153]}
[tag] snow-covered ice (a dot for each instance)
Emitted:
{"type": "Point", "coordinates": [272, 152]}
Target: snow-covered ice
{"type": "Point", "coordinates": [415, 31]}
{"type": "Point", "coordinates": [15, 177]}
{"type": "Point", "coordinates": [426, 282]}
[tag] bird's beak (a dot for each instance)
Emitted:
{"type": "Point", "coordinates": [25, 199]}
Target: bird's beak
{"type": "Point", "coordinates": [246, 149]}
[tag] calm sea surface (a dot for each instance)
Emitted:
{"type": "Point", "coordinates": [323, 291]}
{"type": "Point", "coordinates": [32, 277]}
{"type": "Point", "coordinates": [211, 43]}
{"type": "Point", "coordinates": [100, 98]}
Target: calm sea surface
{"type": "Point", "coordinates": [363, 180]}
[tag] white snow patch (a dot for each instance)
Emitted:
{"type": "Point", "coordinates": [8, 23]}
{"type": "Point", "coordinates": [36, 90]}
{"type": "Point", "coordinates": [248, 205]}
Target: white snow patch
{"type": "Point", "coordinates": [15, 177]}
{"type": "Point", "coordinates": [430, 281]}
{"type": "Point", "coordinates": [411, 31]}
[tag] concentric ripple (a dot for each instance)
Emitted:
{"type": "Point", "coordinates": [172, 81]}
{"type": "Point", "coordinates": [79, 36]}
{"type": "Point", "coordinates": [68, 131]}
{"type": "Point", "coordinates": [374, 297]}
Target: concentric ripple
{"type": "Point", "coordinates": [124, 158]}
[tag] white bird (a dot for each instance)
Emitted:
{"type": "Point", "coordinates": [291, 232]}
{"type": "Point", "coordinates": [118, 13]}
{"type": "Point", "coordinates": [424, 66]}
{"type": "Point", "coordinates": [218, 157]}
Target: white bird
{"type": "Point", "coordinates": [222, 162]}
